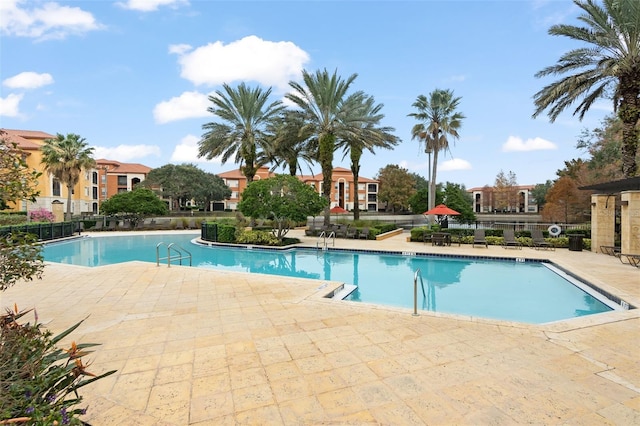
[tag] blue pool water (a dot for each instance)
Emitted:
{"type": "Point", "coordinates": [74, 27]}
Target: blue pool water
{"type": "Point", "coordinates": [524, 292]}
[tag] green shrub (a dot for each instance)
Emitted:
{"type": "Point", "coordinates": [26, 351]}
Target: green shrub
{"type": "Point", "coordinates": [39, 381]}
{"type": "Point", "coordinates": [262, 238]}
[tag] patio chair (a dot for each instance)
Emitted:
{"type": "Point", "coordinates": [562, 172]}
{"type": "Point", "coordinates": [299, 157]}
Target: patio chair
{"type": "Point", "coordinates": [364, 234]}
{"type": "Point", "coordinates": [97, 226]}
{"type": "Point", "coordinates": [479, 238]}
{"type": "Point", "coordinates": [539, 242]}
{"type": "Point", "coordinates": [352, 232]}
{"type": "Point", "coordinates": [310, 231]}
{"type": "Point", "coordinates": [510, 239]}
{"type": "Point", "coordinates": [112, 225]}
{"type": "Point", "coordinates": [191, 223]}
{"type": "Point", "coordinates": [179, 224]}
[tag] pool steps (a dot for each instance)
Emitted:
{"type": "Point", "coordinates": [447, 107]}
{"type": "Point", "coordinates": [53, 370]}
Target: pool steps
{"type": "Point", "coordinates": [341, 292]}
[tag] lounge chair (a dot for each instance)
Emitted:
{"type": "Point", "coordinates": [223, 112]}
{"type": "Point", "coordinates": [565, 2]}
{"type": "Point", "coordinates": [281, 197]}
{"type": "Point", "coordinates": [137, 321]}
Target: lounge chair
{"type": "Point", "coordinates": [310, 231]}
{"type": "Point", "coordinates": [479, 238]}
{"type": "Point", "coordinates": [510, 239]}
{"type": "Point", "coordinates": [112, 225]}
{"type": "Point", "coordinates": [191, 223]}
{"type": "Point", "coordinates": [97, 226]}
{"type": "Point", "coordinates": [352, 232]}
{"type": "Point", "coordinates": [364, 234]}
{"type": "Point", "coordinates": [179, 224]}
{"type": "Point", "coordinates": [539, 242]}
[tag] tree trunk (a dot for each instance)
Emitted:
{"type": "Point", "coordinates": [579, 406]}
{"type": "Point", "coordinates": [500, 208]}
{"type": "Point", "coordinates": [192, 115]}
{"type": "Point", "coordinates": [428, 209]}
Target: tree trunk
{"type": "Point", "coordinates": [355, 169]}
{"type": "Point", "coordinates": [67, 216]}
{"type": "Point", "coordinates": [325, 156]}
{"type": "Point", "coordinates": [629, 114]}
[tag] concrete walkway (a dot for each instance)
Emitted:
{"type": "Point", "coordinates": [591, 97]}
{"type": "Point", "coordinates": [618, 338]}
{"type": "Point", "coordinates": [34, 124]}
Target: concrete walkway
{"type": "Point", "coordinates": [203, 347]}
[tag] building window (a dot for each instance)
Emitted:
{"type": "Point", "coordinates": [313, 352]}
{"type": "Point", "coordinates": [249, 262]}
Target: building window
{"type": "Point", "coordinates": [95, 192]}
{"type": "Point", "coordinates": [121, 190]}
{"type": "Point", "coordinates": [103, 191]}
{"type": "Point", "coordinates": [56, 188]}
{"type": "Point", "coordinates": [372, 198]}
{"type": "Point", "coordinates": [372, 187]}
{"type": "Point", "coordinates": [361, 187]}
{"type": "Point", "coordinates": [122, 181]}
{"type": "Point", "coordinates": [361, 197]}
{"type": "Point", "coordinates": [94, 178]}
{"type": "Point", "coordinates": [234, 194]}
{"type": "Point", "coordinates": [232, 183]}
{"type": "Point", "coordinates": [86, 191]}
{"type": "Point", "coordinates": [103, 178]}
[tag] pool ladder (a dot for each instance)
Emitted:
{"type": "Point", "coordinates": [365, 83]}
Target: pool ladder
{"type": "Point", "coordinates": [417, 275]}
{"type": "Point", "coordinates": [179, 253]}
{"type": "Point", "coordinates": [323, 236]}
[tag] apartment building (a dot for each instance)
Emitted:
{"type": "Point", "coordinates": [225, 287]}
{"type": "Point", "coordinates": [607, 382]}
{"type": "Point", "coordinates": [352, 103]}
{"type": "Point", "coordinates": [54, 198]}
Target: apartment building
{"type": "Point", "coordinates": [343, 192]}
{"type": "Point", "coordinates": [84, 198]}
{"type": "Point", "coordinates": [485, 200]}
{"type": "Point", "coordinates": [116, 177]}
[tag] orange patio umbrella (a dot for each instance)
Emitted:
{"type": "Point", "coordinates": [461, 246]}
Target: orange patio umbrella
{"type": "Point", "coordinates": [441, 210]}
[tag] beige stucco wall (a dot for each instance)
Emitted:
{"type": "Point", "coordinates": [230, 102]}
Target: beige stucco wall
{"type": "Point", "coordinates": [630, 218]}
{"type": "Point", "coordinates": [603, 216]}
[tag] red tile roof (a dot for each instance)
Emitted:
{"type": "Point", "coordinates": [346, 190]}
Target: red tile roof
{"type": "Point", "coordinates": [118, 167]}
{"type": "Point", "coordinates": [24, 138]}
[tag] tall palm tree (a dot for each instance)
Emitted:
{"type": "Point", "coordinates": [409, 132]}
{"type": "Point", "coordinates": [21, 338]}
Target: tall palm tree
{"type": "Point", "coordinates": [292, 142]}
{"type": "Point", "coordinates": [608, 67]}
{"type": "Point", "coordinates": [243, 134]}
{"type": "Point", "coordinates": [65, 157]}
{"type": "Point", "coordinates": [438, 119]}
{"type": "Point", "coordinates": [369, 136]}
{"type": "Point", "coordinates": [322, 98]}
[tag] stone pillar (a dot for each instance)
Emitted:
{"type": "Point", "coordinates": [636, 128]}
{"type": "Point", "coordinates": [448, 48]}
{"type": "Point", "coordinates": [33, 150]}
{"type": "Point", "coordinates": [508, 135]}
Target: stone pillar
{"type": "Point", "coordinates": [57, 208]}
{"type": "Point", "coordinates": [603, 221]}
{"type": "Point", "coordinates": [630, 222]}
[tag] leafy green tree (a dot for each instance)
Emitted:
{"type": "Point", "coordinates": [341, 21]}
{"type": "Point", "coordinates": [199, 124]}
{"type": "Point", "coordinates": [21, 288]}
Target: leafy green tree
{"type": "Point", "coordinates": [186, 182]}
{"type": "Point", "coordinates": [539, 193]}
{"type": "Point", "coordinates": [134, 205]}
{"type": "Point", "coordinates": [284, 199]}
{"type": "Point", "coordinates": [396, 187]}
{"type": "Point", "coordinates": [20, 255]}
{"type": "Point", "coordinates": [369, 136]}
{"type": "Point", "coordinates": [243, 133]}
{"type": "Point", "coordinates": [323, 100]}
{"type": "Point", "coordinates": [18, 182]}
{"type": "Point", "coordinates": [65, 157]}
{"type": "Point", "coordinates": [456, 197]}
{"type": "Point", "coordinates": [437, 120]}
{"type": "Point", "coordinates": [419, 202]}
{"type": "Point", "coordinates": [604, 145]}
{"type": "Point", "coordinates": [607, 67]}
{"type": "Point", "coordinates": [421, 183]}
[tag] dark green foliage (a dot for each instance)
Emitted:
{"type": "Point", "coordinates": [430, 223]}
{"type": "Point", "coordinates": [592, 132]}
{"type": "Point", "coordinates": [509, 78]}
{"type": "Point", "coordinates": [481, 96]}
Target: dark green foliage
{"type": "Point", "coordinates": [283, 199]}
{"type": "Point", "coordinates": [134, 205]}
{"type": "Point", "coordinates": [457, 198]}
{"type": "Point", "coordinates": [20, 259]}
{"type": "Point", "coordinates": [39, 382]}
{"type": "Point", "coordinates": [419, 202]}
{"type": "Point", "coordinates": [185, 182]}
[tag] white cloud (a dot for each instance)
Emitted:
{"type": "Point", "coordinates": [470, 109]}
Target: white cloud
{"type": "Point", "coordinates": [249, 59]}
{"type": "Point", "coordinates": [126, 153]}
{"type": "Point", "coordinates": [151, 5]}
{"type": "Point", "coordinates": [454, 164]}
{"type": "Point", "coordinates": [179, 49]}
{"type": "Point", "coordinates": [187, 105]}
{"type": "Point", "coordinates": [459, 77]}
{"type": "Point", "coordinates": [515, 143]}
{"type": "Point", "coordinates": [10, 106]}
{"type": "Point", "coordinates": [187, 152]}
{"type": "Point", "coordinates": [28, 80]}
{"type": "Point", "coordinates": [49, 21]}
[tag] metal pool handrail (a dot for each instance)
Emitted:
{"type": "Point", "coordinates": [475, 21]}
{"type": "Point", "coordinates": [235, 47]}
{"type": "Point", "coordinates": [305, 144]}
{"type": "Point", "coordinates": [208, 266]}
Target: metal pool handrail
{"type": "Point", "coordinates": [417, 275]}
{"type": "Point", "coordinates": [176, 248]}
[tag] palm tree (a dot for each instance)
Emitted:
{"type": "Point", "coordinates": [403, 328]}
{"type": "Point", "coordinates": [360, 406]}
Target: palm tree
{"type": "Point", "coordinates": [244, 133]}
{"type": "Point", "coordinates": [322, 99]}
{"type": "Point", "coordinates": [292, 142]}
{"type": "Point", "coordinates": [438, 119]}
{"type": "Point", "coordinates": [65, 157]}
{"type": "Point", "coordinates": [608, 66]}
{"type": "Point", "coordinates": [369, 136]}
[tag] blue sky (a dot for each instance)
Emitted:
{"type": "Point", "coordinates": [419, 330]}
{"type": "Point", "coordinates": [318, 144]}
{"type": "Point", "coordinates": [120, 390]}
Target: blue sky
{"type": "Point", "coordinates": [133, 76]}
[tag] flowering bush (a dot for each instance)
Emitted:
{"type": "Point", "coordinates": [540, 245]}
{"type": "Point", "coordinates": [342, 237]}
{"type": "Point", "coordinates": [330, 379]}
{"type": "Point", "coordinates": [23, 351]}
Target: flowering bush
{"type": "Point", "coordinates": [41, 215]}
{"type": "Point", "coordinates": [39, 382]}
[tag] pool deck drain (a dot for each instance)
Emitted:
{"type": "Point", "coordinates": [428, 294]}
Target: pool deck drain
{"type": "Point", "coordinates": [198, 346]}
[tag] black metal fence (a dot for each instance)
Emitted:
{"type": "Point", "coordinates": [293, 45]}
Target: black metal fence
{"type": "Point", "coordinates": [44, 231]}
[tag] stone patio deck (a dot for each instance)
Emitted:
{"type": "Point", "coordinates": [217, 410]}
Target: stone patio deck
{"type": "Point", "coordinates": [203, 347]}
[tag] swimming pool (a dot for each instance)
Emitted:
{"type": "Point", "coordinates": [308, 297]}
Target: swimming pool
{"type": "Point", "coordinates": [527, 292]}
